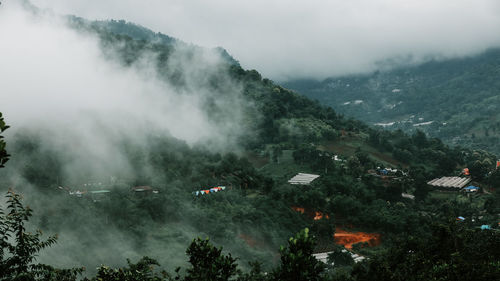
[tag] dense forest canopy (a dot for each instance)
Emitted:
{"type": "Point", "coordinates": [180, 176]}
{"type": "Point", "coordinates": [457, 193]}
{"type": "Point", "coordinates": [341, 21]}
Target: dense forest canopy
{"type": "Point", "coordinates": [115, 192]}
{"type": "Point", "coordinates": [456, 100]}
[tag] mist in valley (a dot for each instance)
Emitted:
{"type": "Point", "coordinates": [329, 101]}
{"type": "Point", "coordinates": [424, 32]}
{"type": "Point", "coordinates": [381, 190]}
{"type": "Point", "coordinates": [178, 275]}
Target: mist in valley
{"type": "Point", "coordinates": [84, 119]}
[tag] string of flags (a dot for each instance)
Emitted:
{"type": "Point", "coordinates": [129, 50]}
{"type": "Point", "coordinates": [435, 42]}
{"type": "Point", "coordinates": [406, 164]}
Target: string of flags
{"type": "Point", "coordinates": [211, 190]}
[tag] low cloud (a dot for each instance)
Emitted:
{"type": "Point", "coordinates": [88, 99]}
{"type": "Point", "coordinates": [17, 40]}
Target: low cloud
{"type": "Point", "coordinates": [54, 78]}
{"type": "Point", "coordinates": [75, 102]}
{"type": "Point", "coordinates": [289, 39]}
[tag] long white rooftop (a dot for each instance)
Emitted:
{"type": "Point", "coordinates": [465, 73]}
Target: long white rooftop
{"type": "Point", "coordinates": [303, 179]}
{"type": "Point", "coordinates": [456, 182]}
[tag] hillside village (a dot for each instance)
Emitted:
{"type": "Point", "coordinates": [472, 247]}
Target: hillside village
{"type": "Point", "coordinates": [285, 171]}
{"type": "Point", "coordinates": [281, 187]}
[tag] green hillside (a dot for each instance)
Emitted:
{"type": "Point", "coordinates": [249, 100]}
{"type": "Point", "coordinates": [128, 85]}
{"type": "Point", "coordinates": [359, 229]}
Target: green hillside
{"type": "Point", "coordinates": [280, 134]}
{"type": "Point", "coordinates": [456, 100]}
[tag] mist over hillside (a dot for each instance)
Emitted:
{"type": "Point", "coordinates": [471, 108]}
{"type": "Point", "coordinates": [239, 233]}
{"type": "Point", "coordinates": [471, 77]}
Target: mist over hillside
{"type": "Point", "coordinates": [129, 143]}
{"type": "Point", "coordinates": [93, 105]}
{"type": "Point", "coordinates": [286, 39]}
{"type": "Point", "coordinates": [455, 100]}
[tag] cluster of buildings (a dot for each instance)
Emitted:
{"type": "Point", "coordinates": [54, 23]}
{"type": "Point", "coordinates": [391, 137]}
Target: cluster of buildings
{"type": "Point", "coordinates": [90, 190]}
{"type": "Point", "coordinates": [323, 257]}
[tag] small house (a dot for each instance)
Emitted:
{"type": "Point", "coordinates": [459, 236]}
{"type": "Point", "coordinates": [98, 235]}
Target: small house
{"type": "Point", "coordinates": [144, 189]}
{"type": "Point", "coordinates": [98, 195]}
{"type": "Point", "coordinates": [408, 196]}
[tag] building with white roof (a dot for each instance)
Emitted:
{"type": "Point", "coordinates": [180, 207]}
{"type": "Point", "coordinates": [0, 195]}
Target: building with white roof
{"type": "Point", "coordinates": [450, 182]}
{"type": "Point", "coordinates": [303, 179]}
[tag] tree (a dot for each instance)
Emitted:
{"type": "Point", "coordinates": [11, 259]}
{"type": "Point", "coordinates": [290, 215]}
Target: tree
{"type": "Point", "coordinates": [354, 165]}
{"type": "Point", "coordinates": [340, 257]}
{"type": "Point", "coordinates": [478, 169]}
{"type": "Point", "coordinates": [141, 271]}
{"type": "Point", "coordinates": [277, 152]}
{"type": "Point", "coordinates": [362, 156]}
{"type": "Point", "coordinates": [255, 273]}
{"type": "Point", "coordinates": [19, 248]}
{"type": "Point", "coordinates": [297, 262]}
{"type": "Point", "coordinates": [420, 139]}
{"type": "Point", "coordinates": [3, 153]}
{"type": "Point", "coordinates": [208, 263]}
{"type": "Point", "coordinates": [452, 252]}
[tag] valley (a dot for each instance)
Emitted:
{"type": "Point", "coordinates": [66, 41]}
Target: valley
{"type": "Point", "coordinates": [142, 157]}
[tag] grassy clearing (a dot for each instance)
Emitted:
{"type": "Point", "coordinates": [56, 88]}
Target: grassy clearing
{"type": "Point", "coordinates": [347, 147]}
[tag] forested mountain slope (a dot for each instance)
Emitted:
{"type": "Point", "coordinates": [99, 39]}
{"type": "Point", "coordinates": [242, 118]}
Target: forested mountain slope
{"type": "Point", "coordinates": [457, 100]}
{"type": "Point", "coordinates": [144, 198]}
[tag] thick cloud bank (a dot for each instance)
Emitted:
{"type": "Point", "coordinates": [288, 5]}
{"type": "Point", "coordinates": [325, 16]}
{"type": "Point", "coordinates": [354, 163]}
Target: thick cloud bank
{"type": "Point", "coordinates": [83, 107]}
{"type": "Point", "coordinates": [55, 78]}
{"type": "Point", "coordinates": [286, 38]}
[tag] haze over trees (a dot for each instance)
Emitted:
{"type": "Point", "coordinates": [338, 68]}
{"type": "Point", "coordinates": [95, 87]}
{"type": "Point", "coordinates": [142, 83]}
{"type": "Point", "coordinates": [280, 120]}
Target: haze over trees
{"type": "Point", "coordinates": [120, 185]}
{"type": "Point", "coordinates": [455, 100]}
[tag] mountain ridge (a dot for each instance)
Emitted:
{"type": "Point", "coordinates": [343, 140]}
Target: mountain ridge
{"type": "Point", "coordinates": [459, 96]}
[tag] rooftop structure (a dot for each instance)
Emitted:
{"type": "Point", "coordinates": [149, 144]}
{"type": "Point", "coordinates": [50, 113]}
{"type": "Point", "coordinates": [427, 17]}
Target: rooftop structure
{"type": "Point", "coordinates": [144, 189]}
{"type": "Point", "coordinates": [471, 188]}
{"type": "Point", "coordinates": [100, 191]}
{"type": "Point", "coordinates": [303, 179]}
{"type": "Point", "coordinates": [408, 196]}
{"type": "Point", "coordinates": [450, 182]}
{"type": "Point", "coordinates": [323, 257]}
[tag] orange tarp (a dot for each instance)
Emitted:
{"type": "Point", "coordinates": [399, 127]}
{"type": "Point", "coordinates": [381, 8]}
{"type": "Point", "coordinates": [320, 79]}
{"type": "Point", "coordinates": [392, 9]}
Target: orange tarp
{"type": "Point", "coordinates": [320, 215]}
{"type": "Point", "coordinates": [348, 239]}
{"type": "Point", "coordinates": [315, 215]}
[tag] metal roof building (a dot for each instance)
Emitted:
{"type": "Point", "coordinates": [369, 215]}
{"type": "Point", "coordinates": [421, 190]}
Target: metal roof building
{"type": "Point", "coordinates": [450, 182]}
{"type": "Point", "coordinates": [303, 179]}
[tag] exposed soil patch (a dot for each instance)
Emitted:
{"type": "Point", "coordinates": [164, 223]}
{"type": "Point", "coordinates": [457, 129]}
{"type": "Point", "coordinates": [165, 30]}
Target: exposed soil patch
{"type": "Point", "coordinates": [348, 239]}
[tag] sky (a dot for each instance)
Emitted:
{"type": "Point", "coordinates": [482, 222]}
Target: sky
{"type": "Point", "coordinates": [286, 39]}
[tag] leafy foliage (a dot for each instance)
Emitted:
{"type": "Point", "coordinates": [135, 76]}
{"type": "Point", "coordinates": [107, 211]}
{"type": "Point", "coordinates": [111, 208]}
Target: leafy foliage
{"type": "Point", "coordinates": [3, 153]}
{"type": "Point", "coordinates": [208, 263]}
{"type": "Point", "coordinates": [453, 252]}
{"type": "Point", "coordinates": [141, 271]}
{"type": "Point", "coordinates": [455, 100]}
{"type": "Point", "coordinates": [256, 208]}
{"type": "Point", "coordinates": [297, 262]}
{"type": "Point", "coordinates": [19, 248]}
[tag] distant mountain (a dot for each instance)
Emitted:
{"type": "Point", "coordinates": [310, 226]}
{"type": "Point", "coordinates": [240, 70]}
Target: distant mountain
{"type": "Point", "coordinates": [457, 100]}
{"type": "Point", "coordinates": [277, 134]}
{"type": "Point", "coordinates": [138, 32]}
